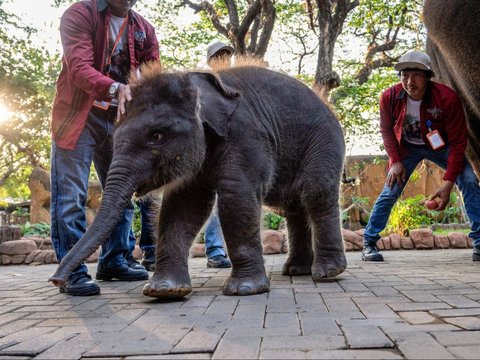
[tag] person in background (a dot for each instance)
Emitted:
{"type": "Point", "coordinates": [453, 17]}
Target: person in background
{"type": "Point", "coordinates": [421, 119]}
{"type": "Point", "coordinates": [102, 40]}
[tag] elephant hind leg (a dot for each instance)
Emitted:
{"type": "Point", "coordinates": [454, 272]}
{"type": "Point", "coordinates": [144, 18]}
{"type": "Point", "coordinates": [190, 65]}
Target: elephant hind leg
{"type": "Point", "coordinates": [329, 255]}
{"type": "Point", "coordinates": [300, 253]}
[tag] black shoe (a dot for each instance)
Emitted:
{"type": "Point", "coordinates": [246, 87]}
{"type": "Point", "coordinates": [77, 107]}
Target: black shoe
{"type": "Point", "coordinates": [122, 273]}
{"type": "Point", "coordinates": [149, 259]}
{"type": "Point", "coordinates": [134, 264]}
{"type": "Point", "coordinates": [218, 261]}
{"type": "Point", "coordinates": [80, 284]}
{"type": "Point", "coordinates": [370, 253]}
{"type": "Point", "coordinates": [476, 254]}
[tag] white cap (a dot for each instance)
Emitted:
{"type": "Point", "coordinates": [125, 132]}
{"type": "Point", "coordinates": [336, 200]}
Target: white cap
{"type": "Point", "coordinates": [414, 60]}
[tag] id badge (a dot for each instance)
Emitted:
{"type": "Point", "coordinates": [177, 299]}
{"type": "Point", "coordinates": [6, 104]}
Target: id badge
{"type": "Point", "coordinates": [104, 105]}
{"type": "Point", "coordinates": [435, 139]}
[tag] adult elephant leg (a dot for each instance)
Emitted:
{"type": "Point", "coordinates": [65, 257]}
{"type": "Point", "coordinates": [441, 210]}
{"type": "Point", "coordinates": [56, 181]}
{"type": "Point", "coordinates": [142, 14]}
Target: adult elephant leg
{"type": "Point", "coordinates": [300, 252]}
{"type": "Point", "coordinates": [181, 217]}
{"type": "Point", "coordinates": [239, 214]}
{"type": "Point", "coordinates": [329, 255]}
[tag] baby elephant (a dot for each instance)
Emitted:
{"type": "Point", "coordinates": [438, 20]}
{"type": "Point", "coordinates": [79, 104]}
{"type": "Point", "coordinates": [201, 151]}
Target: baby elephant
{"type": "Point", "coordinates": [250, 135]}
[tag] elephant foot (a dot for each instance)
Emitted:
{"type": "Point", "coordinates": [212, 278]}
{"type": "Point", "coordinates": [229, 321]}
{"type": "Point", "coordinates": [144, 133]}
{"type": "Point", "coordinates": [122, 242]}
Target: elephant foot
{"type": "Point", "coordinates": [246, 285]}
{"type": "Point", "coordinates": [295, 268]}
{"type": "Point", "coordinates": [164, 288]}
{"type": "Point", "coordinates": [328, 267]}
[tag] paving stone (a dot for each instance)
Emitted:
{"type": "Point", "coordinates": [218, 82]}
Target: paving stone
{"type": "Point", "coordinates": [459, 301]}
{"type": "Point", "coordinates": [457, 338]}
{"type": "Point", "coordinates": [418, 306]}
{"type": "Point", "coordinates": [418, 317]}
{"type": "Point", "coordinates": [467, 322]}
{"type": "Point", "coordinates": [419, 346]}
{"type": "Point", "coordinates": [198, 341]}
{"type": "Point", "coordinates": [354, 354]}
{"type": "Point", "coordinates": [465, 352]}
{"type": "Point", "coordinates": [456, 312]}
{"type": "Point", "coordinates": [242, 347]}
{"type": "Point", "coordinates": [365, 337]}
{"type": "Point", "coordinates": [303, 343]}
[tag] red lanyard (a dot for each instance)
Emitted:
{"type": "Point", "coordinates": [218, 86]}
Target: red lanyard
{"type": "Point", "coordinates": [117, 40]}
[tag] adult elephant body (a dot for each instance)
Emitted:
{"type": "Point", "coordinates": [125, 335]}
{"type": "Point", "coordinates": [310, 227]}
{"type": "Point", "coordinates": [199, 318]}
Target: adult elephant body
{"type": "Point", "coordinates": [453, 43]}
{"type": "Point", "coordinates": [249, 135]}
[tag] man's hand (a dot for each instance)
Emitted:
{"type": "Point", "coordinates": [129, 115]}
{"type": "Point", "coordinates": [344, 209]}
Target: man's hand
{"type": "Point", "coordinates": [397, 173]}
{"type": "Point", "coordinates": [443, 193]}
{"type": "Point", "coordinates": [123, 96]}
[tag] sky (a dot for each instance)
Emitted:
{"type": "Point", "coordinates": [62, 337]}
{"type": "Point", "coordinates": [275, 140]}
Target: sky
{"type": "Point", "coordinates": [44, 16]}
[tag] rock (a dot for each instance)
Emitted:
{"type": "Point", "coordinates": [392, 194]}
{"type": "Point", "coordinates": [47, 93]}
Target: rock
{"type": "Point", "coordinates": [197, 250]}
{"type": "Point", "coordinates": [50, 257]}
{"type": "Point", "coordinates": [16, 247]}
{"type": "Point", "coordinates": [458, 240]}
{"type": "Point", "coordinates": [360, 232]}
{"type": "Point", "coordinates": [94, 257]}
{"type": "Point", "coordinates": [395, 241]}
{"type": "Point", "coordinates": [348, 246]}
{"type": "Point", "coordinates": [469, 242]}
{"type": "Point", "coordinates": [18, 259]}
{"type": "Point", "coordinates": [272, 242]}
{"type": "Point", "coordinates": [40, 258]}
{"type": "Point", "coordinates": [6, 259]}
{"type": "Point", "coordinates": [353, 238]}
{"type": "Point", "coordinates": [42, 243]}
{"type": "Point", "coordinates": [422, 238]}
{"type": "Point", "coordinates": [386, 243]}
{"type": "Point", "coordinates": [39, 184]}
{"type": "Point", "coordinates": [31, 257]}
{"type": "Point", "coordinates": [407, 243]}
{"type": "Point", "coordinates": [441, 242]}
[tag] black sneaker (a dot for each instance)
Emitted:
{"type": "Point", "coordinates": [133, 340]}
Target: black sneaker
{"type": "Point", "coordinates": [370, 253]}
{"type": "Point", "coordinates": [149, 259]}
{"type": "Point", "coordinates": [122, 273]}
{"type": "Point", "coordinates": [134, 264]}
{"type": "Point", "coordinates": [218, 261]}
{"type": "Point", "coordinates": [80, 284]}
{"type": "Point", "coordinates": [476, 254]}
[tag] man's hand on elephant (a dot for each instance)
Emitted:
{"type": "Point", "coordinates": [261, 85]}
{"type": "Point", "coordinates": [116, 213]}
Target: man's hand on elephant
{"type": "Point", "coordinates": [397, 173]}
{"type": "Point", "coordinates": [443, 193]}
{"type": "Point", "coordinates": [124, 95]}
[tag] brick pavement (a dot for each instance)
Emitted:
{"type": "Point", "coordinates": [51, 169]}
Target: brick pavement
{"type": "Point", "coordinates": [419, 304]}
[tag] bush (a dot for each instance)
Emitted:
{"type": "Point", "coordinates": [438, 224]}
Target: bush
{"type": "Point", "coordinates": [39, 229]}
{"type": "Point", "coordinates": [272, 221]}
{"type": "Point", "coordinates": [408, 214]}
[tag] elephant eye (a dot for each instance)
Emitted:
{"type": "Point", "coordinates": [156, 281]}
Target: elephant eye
{"type": "Point", "coordinates": [157, 137]}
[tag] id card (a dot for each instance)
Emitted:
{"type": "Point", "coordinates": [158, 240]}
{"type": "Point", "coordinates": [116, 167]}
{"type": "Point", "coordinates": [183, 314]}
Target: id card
{"type": "Point", "coordinates": [104, 105]}
{"type": "Point", "coordinates": [435, 139]}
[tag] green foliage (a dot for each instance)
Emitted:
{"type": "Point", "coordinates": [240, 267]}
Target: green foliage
{"type": "Point", "coordinates": [272, 221]}
{"type": "Point", "coordinates": [39, 229]}
{"type": "Point", "coordinates": [27, 74]}
{"type": "Point", "coordinates": [408, 214]}
{"type": "Point", "coordinates": [136, 221]}
{"type": "Point", "coordinates": [411, 213]}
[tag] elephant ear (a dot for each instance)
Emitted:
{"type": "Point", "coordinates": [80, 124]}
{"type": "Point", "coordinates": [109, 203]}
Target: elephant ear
{"type": "Point", "coordinates": [216, 102]}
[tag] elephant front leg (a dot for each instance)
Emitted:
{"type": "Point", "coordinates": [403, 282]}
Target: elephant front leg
{"type": "Point", "coordinates": [181, 218]}
{"type": "Point", "coordinates": [241, 229]}
{"type": "Point", "coordinates": [329, 255]}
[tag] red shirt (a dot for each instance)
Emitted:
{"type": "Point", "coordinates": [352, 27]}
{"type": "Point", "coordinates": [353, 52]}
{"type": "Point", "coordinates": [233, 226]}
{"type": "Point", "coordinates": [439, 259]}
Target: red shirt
{"type": "Point", "coordinates": [83, 31]}
{"type": "Point", "coordinates": [441, 107]}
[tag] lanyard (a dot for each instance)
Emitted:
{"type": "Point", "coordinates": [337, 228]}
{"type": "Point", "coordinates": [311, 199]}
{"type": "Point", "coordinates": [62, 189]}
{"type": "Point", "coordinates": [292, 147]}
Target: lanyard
{"type": "Point", "coordinates": [108, 62]}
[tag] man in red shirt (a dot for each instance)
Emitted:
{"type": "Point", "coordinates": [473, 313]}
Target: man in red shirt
{"type": "Point", "coordinates": [102, 40]}
{"type": "Point", "coordinates": [421, 119]}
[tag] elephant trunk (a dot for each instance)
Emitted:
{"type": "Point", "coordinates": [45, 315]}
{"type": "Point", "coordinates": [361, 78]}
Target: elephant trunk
{"type": "Point", "coordinates": [117, 193]}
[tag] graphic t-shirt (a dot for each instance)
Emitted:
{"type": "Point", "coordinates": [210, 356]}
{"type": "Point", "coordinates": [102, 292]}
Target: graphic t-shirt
{"type": "Point", "coordinates": [411, 127]}
{"type": "Point", "coordinates": [120, 63]}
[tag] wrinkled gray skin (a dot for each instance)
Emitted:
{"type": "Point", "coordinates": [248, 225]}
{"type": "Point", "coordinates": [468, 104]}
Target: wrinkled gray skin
{"type": "Point", "coordinates": [454, 45]}
{"type": "Point", "coordinates": [254, 136]}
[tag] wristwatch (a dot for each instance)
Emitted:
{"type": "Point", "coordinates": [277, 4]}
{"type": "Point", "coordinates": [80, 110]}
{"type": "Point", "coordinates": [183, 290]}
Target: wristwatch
{"type": "Point", "coordinates": [113, 89]}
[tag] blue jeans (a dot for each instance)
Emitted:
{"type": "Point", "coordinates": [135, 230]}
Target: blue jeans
{"type": "Point", "coordinates": [70, 170]}
{"type": "Point", "coordinates": [466, 181]}
{"type": "Point", "coordinates": [214, 235]}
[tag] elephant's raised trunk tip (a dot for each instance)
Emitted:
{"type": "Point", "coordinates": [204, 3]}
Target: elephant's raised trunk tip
{"type": "Point", "coordinates": [57, 280]}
